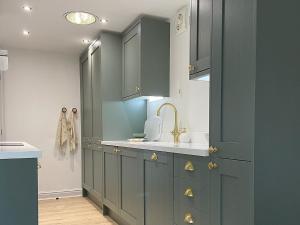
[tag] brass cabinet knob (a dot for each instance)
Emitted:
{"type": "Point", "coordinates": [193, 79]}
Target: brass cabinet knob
{"type": "Point", "coordinates": [191, 68]}
{"type": "Point", "coordinates": [189, 166]}
{"type": "Point", "coordinates": [154, 157]}
{"type": "Point", "coordinates": [212, 166]}
{"type": "Point", "coordinates": [188, 218]}
{"type": "Point", "coordinates": [189, 193]}
{"type": "Point", "coordinates": [212, 150]}
{"type": "Point", "coordinates": [116, 150]}
{"type": "Point", "coordinates": [39, 165]}
{"type": "Point", "coordinates": [137, 89]}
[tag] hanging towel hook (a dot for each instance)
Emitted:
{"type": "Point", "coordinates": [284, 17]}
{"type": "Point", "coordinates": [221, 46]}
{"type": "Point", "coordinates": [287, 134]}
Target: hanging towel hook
{"type": "Point", "coordinates": [64, 110]}
{"type": "Point", "coordinates": [74, 110]}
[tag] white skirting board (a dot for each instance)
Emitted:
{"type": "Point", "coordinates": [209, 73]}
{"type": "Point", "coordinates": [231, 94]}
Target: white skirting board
{"type": "Point", "coordinates": [60, 194]}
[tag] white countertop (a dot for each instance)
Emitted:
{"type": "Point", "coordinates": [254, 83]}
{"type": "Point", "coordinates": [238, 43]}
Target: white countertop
{"type": "Point", "coordinates": [18, 152]}
{"type": "Point", "coordinates": [182, 148]}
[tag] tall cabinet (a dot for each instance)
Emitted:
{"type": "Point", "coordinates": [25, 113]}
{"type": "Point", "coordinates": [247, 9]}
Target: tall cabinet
{"type": "Point", "coordinates": [104, 115]}
{"type": "Point", "coordinates": [254, 91]}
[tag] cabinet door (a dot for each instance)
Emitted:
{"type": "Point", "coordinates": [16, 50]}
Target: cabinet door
{"type": "Point", "coordinates": [88, 169]}
{"type": "Point", "coordinates": [232, 83]}
{"type": "Point", "coordinates": [130, 186]}
{"type": "Point", "coordinates": [231, 193]}
{"type": "Point", "coordinates": [111, 178]}
{"type": "Point", "coordinates": [96, 91]}
{"type": "Point", "coordinates": [158, 188]}
{"type": "Point", "coordinates": [131, 62]}
{"type": "Point", "coordinates": [200, 37]}
{"type": "Point", "coordinates": [86, 92]}
{"type": "Point", "coordinates": [98, 174]}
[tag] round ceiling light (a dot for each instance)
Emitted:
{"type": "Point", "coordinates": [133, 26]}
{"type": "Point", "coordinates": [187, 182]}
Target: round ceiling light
{"type": "Point", "coordinates": [81, 18]}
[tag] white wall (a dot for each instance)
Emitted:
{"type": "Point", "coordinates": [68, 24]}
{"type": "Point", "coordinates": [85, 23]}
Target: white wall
{"type": "Point", "coordinates": [190, 97]}
{"type": "Point", "coordinates": [37, 85]}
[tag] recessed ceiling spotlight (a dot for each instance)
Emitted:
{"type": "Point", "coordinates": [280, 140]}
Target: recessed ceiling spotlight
{"type": "Point", "coordinates": [26, 33]}
{"type": "Point", "coordinates": [86, 41]}
{"type": "Point", "coordinates": [27, 8]}
{"type": "Point", "coordinates": [103, 20]}
{"type": "Point", "coordinates": [81, 18]}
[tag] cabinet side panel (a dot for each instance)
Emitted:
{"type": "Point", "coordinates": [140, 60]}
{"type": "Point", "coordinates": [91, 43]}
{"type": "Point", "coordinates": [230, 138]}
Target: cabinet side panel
{"type": "Point", "coordinates": [277, 134]}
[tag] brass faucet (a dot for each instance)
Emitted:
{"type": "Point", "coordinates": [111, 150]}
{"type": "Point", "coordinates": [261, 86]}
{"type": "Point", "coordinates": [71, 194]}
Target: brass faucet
{"type": "Point", "coordinates": [177, 131]}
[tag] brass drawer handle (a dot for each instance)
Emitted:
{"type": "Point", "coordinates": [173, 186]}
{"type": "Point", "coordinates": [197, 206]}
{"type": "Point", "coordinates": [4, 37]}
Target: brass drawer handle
{"type": "Point", "coordinates": [189, 166]}
{"type": "Point", "coordinates": [188, 218]}
{"type": "Point", "coordinates": [212, 150]}
{"type": "Point", "coordinates": [212, 165]}
{"type": "Point", "coordinates": [189, 193]}
{"type": "Point", "coordinates": [154, 157]}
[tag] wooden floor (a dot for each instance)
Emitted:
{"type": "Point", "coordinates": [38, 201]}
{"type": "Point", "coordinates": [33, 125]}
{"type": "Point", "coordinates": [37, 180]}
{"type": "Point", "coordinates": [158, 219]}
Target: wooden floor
{"type": "Point", "coordinates": [71, 211]}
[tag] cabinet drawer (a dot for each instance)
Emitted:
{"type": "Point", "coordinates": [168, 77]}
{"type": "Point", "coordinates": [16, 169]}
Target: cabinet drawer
{"type": "Point", "coordinates": [194, 167]}
{"type": "Point", "coordinates": [191, 193]}
{"type": "Point", "coordinates": [198, 217]}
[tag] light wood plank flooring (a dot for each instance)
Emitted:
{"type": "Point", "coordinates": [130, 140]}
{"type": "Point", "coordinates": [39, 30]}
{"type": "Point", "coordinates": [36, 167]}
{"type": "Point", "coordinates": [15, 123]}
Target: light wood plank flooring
{"type": "Point", "coordinates": [71, 211]}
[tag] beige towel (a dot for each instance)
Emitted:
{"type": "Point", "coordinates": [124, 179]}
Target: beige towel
{"type": "Point", "coordinates": [72, 132]}
{"type": "Point", "coordinates": [62, 132]}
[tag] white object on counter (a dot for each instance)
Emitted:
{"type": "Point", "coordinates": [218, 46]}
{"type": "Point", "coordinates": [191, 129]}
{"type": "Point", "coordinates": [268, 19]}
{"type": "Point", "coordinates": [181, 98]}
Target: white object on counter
{"type": "Point", "coordinates": [181, 148]}
{"type": "Point", "coordinates": [153, 128]}
{"type": "Point", "coordinates": [20, 150]}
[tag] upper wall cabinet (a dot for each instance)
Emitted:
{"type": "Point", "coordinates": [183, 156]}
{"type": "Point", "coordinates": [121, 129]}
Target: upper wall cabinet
{"type": "Point", "coordinates": [146, 58]}
{"type": "Point", "coordinates": [200, 38]}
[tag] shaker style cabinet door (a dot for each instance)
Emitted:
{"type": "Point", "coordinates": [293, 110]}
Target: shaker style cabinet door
{"type": "Point", "coordinates": [88, 169]}
{"type": "Point", "coordinates": [131, 191]}
{"type": "Point", "coordinates": [131, 62]}
{"type": "Point", "coordinates": [96, 92]}
{"type": "Point", "coordinates": [231, 193]}
{"type": "Point", "coordinates": [111, 178]}
{"type": "Point", "coordinates": [158, 187]}
{"type": "Point", "coordinates": [232, 81]}
{"type": "Point", "coordinates": [86, 92]}
{"type": "Point", "coordinates": [200, 37]}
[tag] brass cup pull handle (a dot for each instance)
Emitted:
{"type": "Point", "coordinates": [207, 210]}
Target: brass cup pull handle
{"type": "Point", "coordinates": [188, 218]}
{"type": "Point", "coordinates": [154, 157]}
{"type": "Point", "coordinates": [189, 193]}
{"type": "Point", "coordinates": [212, 150]}
{"type": "Point", "coordinates": [212, 165]}
{"type": "Point", "coordinates": [189, 166]}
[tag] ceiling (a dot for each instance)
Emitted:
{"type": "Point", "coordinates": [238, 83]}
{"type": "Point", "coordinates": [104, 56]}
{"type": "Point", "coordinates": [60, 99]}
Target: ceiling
{"type": "Point", "coordinates": [49, 31]}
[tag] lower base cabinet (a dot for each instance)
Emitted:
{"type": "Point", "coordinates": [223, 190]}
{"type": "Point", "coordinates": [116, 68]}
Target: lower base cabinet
{"type": "Point", "coordinates": [18, 192]}
{"type": "Point", "coordinates": [231, 193]}
{"type": "Point", "coordinates": [191, 190]}
{"type": "Point", "coordinates": [143, 187]}
{"type": "Point", "coordinates": [158, 183]}
{"type": "Point", "coordinates": [93, 171]}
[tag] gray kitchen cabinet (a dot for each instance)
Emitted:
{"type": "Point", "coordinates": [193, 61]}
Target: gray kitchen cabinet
{"type": "Point", "coordinates": [131, 192]}
{"type": "Point", "coordinates": [102, 106]}
{"type": "Point", "coordinates": [158, 182]}
{"type": "Point", "coordinates": [146, 58]}
{"type": "Point", "coordinates": [98, 174]}
{"type": "Point", "coordinates": [231, 193]}
{"type": "Point", "coordinates": [200, 37]}
{"type": "Point", "coordinates": [86, 95]}
{"type": "Point", "coordinates": [191, 190]}
{"type": "Point", "coordinates": [111, 178]}
{"type": "Point", "coordinates": [88, 168]}
{"type": "Point", "coordinates": [232, 83]}
{"type": "Point", "coordinates": [18, 192]}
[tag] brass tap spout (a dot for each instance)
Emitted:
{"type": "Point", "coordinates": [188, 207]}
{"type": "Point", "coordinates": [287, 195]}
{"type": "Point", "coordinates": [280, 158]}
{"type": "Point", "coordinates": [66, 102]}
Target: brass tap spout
{"type": "Point", "coordinates": [176, 132]}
